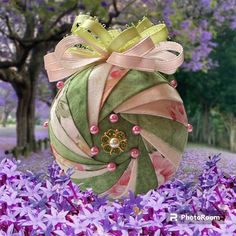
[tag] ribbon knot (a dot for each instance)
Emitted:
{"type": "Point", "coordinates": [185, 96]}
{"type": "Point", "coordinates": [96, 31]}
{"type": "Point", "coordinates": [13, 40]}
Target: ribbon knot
{"type": "Point", "coordinates": [141, 48]}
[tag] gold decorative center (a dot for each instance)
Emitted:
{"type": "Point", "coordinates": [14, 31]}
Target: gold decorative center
{"type": "Point", "coordinates": [114, 141]}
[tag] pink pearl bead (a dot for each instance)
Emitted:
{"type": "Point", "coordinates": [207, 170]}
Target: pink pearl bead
{"type": "Point", "coordinates": [116, 74]}
{"type": "Point", "coordinates": [60, 84]}
{"type": "Point", "coordinates": [94, 151]}
{"type": "Point", "coordinates": [94, 129]}
{"type": "Point", "coordinates": [45, 124]}
{"type": "Point", "coordinates": [136, 129]}
{"type": "Point", "coordinates": [111, 166]}
{"type": "Point", "coordinates": [134, 153]}
{"type": "Point", "coordinates": [190, 128]}
{"type": "Point", "coordinates": [173, 83]}
{"type": "Point", "coordinates": [113, 118]}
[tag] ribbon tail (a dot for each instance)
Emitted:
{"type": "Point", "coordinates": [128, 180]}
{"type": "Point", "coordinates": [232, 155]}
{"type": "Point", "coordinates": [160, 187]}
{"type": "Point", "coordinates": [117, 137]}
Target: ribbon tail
{"type": "Point", "coordinates": [56, 71]}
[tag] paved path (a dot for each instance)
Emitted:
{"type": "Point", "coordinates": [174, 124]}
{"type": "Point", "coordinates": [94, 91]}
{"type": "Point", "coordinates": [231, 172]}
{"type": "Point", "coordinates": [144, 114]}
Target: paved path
{"type": "Point", "coordinates": [37, 161]}
{"type": "Point", "coordinates": [195, 157]}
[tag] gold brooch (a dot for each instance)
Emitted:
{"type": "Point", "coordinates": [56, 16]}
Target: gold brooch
{"type": "Point", "coordinates": [114, 141]}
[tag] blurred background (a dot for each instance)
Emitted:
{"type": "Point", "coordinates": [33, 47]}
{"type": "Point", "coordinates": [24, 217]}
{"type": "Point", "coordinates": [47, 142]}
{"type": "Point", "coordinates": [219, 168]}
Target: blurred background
{"type": "Point", "coordinates": [206, 81]}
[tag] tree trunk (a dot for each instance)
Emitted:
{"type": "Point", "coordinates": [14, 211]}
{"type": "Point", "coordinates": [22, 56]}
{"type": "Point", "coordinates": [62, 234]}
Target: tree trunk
{"type": "Point", "coordinates": [31, 117]}
{"type": "Point", "coordinates": [34, 68]}
{"type": "Point", "coordinates": [232, 139]}
{"type": "Point", "coordinates": [25, 113]}
{"type": "Point", "coordinates": [26, 93]}
{"type": "Point", "coordinates": [205, 131]}
{"type": "Point", "coordinates": [5, 118]}
{"type": "Point", "coordinates": [21, 120]}
{"type": "Point", "coordinates": [230, 124]}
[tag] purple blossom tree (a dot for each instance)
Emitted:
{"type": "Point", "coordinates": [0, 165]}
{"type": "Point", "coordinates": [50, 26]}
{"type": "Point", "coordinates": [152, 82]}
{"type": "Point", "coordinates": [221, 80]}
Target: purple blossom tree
{"type": "Point", "coordinates": [27, 30]}
{"type": "Point", "coordinates": [196, 25]}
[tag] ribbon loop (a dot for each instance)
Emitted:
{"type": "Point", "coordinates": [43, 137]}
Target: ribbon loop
{"type": "Point", "coordinates": [158, 59]}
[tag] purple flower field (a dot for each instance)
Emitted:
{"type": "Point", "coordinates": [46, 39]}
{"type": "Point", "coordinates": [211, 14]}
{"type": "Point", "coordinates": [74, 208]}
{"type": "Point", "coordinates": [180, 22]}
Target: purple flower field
{"type": "Point", "coordinates": [31, 204]}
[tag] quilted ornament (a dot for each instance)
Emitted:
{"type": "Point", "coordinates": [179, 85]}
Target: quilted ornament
{"type": "Point", "coordinates": [117, 120]}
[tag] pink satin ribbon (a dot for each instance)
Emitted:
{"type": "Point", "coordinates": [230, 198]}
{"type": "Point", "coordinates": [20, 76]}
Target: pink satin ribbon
{"type": "Point", "coordinates": [144, 56]}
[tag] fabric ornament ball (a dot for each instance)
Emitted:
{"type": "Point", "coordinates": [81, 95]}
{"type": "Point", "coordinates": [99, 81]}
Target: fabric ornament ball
{"type": "Point", "coordinates": [125, 109]}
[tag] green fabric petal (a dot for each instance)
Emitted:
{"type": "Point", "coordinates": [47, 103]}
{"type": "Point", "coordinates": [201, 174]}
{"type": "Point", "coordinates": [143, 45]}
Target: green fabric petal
{"type": "Point", "coordinates": [67, 153]}
{"type": "Point", "coordinates": [172, 132]}
{"type": "Point", "coordinates": [77, 100]}
{"type": "Point", "coordinates": [101, 183]}
{"type": "Point", "coordinates": [146, 176]}
{"type": "Point", "coordinates": [133, 83]}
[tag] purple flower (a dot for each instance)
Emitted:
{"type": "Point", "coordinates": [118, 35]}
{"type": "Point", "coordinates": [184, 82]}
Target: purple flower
{"type": "Point", "coordinates": [204, 24]}
{"type": "Point", "coordinates": [78, 224]}
{"type": "Point", "coordinates": [56, 217]}
{"type": "Point", "coordinates": [213, 160]}
{"type": "Point", "coordinates": [33, 192]}
{"type": "Point", "coordinates": [104, 4]}
{"type": "Point", "coordinates": [226, 229]}
{"type": "Point", "coordinates": [11, 198]}
{"type": "Point", "coordinates": [182, 229]}
{"type": "Point", "coordinates": [206, 36]}
{"type": "Point", "coordinates": [36, 220]}
{"type": "Point", "coordinates": [185, 24]}
{"type": "Point", "coordinates": [50, 8]}
{"type": "Point", "coordinates": [233, 24]}
{"type": "Point", "coordinates": [49, 189]}
{"type": "Point", "coordinates": [81, 6]}
{"type": "Point", "coordinates": [205, 3]}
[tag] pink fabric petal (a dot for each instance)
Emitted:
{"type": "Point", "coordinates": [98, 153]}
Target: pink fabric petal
{"type": "Point", "coordinates": [156, 93]}
{"type": "Point", "coordinates": [164, 108]}
{"type": "Point", "coordinates": [126, 183]}
{"type": "Point", "coordinates": [112, 82]}
{"type": "Point", "coordinates": [172, 154]}
{"type": "Point", "coordinates": [96, 84]}
{"type": "Point", "coordinates": [163, 168]}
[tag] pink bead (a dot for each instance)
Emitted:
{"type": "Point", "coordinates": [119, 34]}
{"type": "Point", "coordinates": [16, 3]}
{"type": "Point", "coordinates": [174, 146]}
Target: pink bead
{"type": "Point", "coordinates": [134, 153]}
{"type": "Point", "coordinates": [94, 129]}
{"type": "Point", "coordinates": [190, 128]}
{"type": "Point", "coordinates": [60, 84]}
{"type": "Point", "coordinates": [136, 129]}
{"type": "Point", "coordinates": [113, 118]}
{"type": "Point", "coordinates": [116, 74]}
{"type": "Point", "coordinates": [94, 151]}
{"type": "Point", "coordinates": [173, 83]}
{"type": "Point", "coordinates": [111, 166]}
{"type": "Point", "coordinates": [45, 124]}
